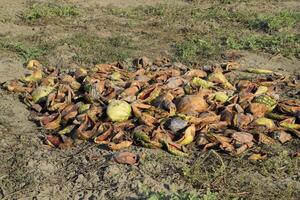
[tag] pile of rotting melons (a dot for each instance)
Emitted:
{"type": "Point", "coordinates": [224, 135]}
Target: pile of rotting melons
{"type": "Point", "coordinates": [159, 104]}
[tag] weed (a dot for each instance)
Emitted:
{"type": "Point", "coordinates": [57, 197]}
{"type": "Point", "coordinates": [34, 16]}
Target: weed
{"type": "Point", "coordinates": [183, 196]}
{"type": "Point", "coordinates": [36, 12]}
{"type": "Point", "coordinates": [210, 195]}
{"type": "Point", "coordinates": [275, 22]}
{"type": "Point", "coordinates": [190, 49]}
{"type": "Point", "coordinates": [175, 196]}
{"type": "Point", "coordinates": [286, 44]}
{"type": "Point", "coordinates": [26, 52]}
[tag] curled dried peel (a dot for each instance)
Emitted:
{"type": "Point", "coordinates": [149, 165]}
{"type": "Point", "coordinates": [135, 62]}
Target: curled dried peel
{"type": "Point", "coordinates": [34, 64]}
{"type": "Point", "coordinates": [150, 94]}
{"type": "Point", "coordinates": [171, 149]}
{"type": "Point", "coordinates": [261, 90]}
{"type": "Point", "coordinates": [258, 71]}
{"type": "Point", "coordinates": [289, 123]}
{"type": "Point", "coordinates": [35, 76]}
{"type": "Point", "coordinates": [202, 83]}
{"type": "Point", "coordinates": [41, 92]}
{"type": "Point", "coordinates": [145, 140]}
{"type": "Point", "coordinates": [158, 94]}
{"type": "Point", "coordinates": [221, 97]}
{"type": "Point", "coordinates": [53, 124]}
{"type": "Point", "coordinates": [291, 106]}
{"type": "Point", "coordinates": [218, 77]}
{"type": "Point", "coordinates": [104, 131]}
{"type": "Point", "coordinates": [189, 135]}
{"type": "Point", "coordinates": [13, 86]}
{"type": "Point", "coordinates": [262, 121]}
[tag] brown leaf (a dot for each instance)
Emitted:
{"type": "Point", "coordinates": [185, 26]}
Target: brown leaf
{"type": "Point", "coordinates": [246, 86]}
{"type": "Point", "coordinates": [231, 65]}
{"type": "Point", "coordinates": [71, 81]}
{"type": "Point", "coordinates": [126, 158]}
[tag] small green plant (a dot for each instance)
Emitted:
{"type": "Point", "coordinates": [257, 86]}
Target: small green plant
{"type": "Point", "coordinates": [175, 196]}
{"type": "Point", "coordinates": [36, 12]}
{"type": "Point", "coordinates": [210, 195]}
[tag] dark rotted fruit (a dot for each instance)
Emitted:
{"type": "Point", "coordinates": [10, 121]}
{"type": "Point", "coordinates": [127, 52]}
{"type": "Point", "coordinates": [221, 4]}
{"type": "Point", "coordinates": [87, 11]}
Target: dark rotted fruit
{"type": "Point", "coordinates": [176, 124]}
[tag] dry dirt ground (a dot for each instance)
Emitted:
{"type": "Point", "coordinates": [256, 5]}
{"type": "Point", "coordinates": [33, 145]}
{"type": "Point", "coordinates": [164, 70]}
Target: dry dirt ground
{"type": "Point", "coordinates": [71, 33]}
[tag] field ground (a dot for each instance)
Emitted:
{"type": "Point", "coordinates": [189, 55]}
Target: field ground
{"type": "Point", "coordinates": [70, 33]}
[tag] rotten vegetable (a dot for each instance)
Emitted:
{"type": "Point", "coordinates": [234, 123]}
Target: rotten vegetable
{"type": "Point", "coordinates": [159, 104]}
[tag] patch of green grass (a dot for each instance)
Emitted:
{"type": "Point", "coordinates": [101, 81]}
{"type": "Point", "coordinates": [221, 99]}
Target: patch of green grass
{"type": "Point", "coordinates": [240, 30]}
{"type": "Point", "coordinates": [210, 195]}
{"type": "Point", "coordinates": [285, 44]}
{"type": "Point", "coordinates": [191, 49]}
{"type": "Point", "coordinates": [93, 50]}
{"type": "Point", "coordinates": [275, 22]}
{"type": "Point", "coordinates": [198, 47]}
{"type": "Point", "coordinates": [174, 196]}
{"type": "Point", "coordinates": [183, 196]}
{"type": "Point", "coordinates": [36, 12]}
{"type": "Point", "coordinates": [25, 51]}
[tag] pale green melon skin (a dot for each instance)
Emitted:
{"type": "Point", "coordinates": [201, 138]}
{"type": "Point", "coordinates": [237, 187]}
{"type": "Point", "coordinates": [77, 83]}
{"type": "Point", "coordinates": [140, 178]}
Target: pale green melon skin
{"type": "Point", "coordinates": [118, 110]}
